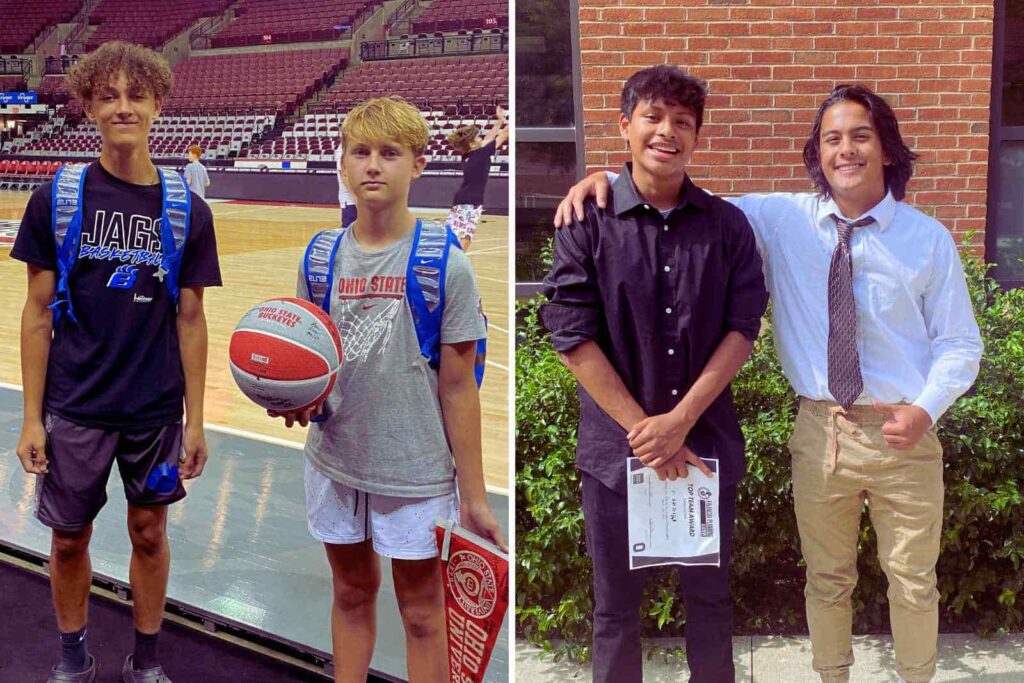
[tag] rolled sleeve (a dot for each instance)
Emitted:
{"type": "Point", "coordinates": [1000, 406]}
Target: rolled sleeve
{"type": "Point", "coordinates": [747, 298]}
{"type": "Point", "coordinates": [573, 311]}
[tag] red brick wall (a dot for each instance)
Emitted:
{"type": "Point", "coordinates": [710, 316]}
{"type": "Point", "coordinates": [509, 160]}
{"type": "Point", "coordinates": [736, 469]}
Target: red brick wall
{"type": "Point", "coordinates": [769, 63]}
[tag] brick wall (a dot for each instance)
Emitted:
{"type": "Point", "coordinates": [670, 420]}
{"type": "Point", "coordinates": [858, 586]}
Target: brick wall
{"type": "Point", "coordinates": [769, 63]}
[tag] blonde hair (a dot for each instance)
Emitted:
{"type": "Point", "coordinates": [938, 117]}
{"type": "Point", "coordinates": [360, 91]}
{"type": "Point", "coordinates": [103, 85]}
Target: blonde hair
{"type": "Point", "coordinates": [462, 139]}
{"type": "Point", "coordinates": [145, 68]}
{"type": "Point", "coordinates": [386, 118]}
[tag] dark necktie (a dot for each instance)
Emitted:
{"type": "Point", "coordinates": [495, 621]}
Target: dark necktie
{"type": "Point", "coordinates": [844, 378]}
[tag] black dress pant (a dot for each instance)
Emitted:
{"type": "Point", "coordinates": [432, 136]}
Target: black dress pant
{"type": "Point", "coordinates": [618, 592]}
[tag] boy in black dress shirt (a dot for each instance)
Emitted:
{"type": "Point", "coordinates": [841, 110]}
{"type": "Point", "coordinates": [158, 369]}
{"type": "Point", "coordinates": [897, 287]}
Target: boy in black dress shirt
{"type": "Point", "coordinates": [654, 305]}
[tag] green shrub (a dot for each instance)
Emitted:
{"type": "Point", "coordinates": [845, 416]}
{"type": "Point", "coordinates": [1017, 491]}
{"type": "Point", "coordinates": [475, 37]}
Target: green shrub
{"type": "Point", "coordinates": [980, 576]}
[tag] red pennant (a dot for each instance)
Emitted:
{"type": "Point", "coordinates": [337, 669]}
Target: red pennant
{"type": "Point", "coordinates": [475, 576]}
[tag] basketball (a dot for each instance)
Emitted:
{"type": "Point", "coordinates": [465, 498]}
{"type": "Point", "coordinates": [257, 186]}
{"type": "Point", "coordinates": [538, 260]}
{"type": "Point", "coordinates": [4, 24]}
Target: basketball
{"type": "Point", "coordinates": [285, 354]}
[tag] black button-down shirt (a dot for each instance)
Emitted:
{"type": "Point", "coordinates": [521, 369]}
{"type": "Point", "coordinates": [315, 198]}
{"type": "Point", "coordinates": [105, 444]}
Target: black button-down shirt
{"type": "Point", "coordinates": [657, 295]}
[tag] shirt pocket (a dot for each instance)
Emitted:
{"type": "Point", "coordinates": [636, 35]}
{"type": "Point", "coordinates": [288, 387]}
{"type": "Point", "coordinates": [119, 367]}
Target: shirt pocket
{"type": "Point", "coordinates": [882, 293]}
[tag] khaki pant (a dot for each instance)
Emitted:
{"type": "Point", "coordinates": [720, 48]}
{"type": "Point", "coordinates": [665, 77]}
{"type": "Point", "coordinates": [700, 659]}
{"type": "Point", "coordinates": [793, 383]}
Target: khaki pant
{"type": "Point", "coordinates": [839, 462]}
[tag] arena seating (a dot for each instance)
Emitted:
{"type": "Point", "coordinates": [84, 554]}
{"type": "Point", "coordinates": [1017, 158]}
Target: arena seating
{"type": "Point", "coordinates": [452, 15]}
{"type": "Point", "coordinates": [292, 21]}
{"type": "Point", "coordinates": [12, 83]}
{"type": "Point", "coordinates": [315, 136]}
{"type": "Point", "coordinates": [23, 21]}
{"type": "Point", "coordinates": [26, 175]}
{"type": "Point", "coordinates": [428, 82]}
{"type": "Point", "coordinates": [148, 22]}
{"type": "Point", "coordinates": [170, 136]}
{"type": "Point", "coordinates": [253, 82]}
{"type": "Point", "coordinates": [53, 89]}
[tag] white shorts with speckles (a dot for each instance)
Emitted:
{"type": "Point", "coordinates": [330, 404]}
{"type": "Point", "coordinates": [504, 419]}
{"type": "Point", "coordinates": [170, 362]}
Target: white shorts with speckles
{"type": "Point", "coordinates": [401, 528]}
{"type": "Point", "coordinates": [463, 219]}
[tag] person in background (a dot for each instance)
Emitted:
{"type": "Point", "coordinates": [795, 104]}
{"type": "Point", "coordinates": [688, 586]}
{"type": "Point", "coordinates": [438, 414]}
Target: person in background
{"type": "Point", "coordinates": [467, 205]}
{"type": "Point", "coordinates": [195, 173]}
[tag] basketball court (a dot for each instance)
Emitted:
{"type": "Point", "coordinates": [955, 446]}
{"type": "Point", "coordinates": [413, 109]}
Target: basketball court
{"type": "Point", "coordinates": [242, 555]}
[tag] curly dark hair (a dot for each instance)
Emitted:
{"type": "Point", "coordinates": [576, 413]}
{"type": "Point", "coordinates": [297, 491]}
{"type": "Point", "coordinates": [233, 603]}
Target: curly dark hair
{"type": "Point", "coordinates": [668, 84]}
{"type": "Point", "coordinates": [901, 159]}
{"type": "Point", "coordinates": [145, 68]}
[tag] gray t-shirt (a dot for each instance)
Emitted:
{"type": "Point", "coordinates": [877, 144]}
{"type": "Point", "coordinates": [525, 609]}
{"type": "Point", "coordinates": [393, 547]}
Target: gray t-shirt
{"type": "Point", "coordinates": [195, 174]}
{"type": "Point", "coordinates": [384, 432]}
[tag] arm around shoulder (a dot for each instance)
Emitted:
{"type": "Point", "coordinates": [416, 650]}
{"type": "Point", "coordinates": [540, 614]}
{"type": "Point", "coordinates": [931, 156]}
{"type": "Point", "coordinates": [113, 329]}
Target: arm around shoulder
{"type": "Point", "coordinates": [572, 312]}
{"type": "Point", "coordinates": [747, 296]}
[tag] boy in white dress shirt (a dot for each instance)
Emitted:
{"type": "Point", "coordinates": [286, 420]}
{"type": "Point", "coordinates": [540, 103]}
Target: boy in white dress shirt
{"type": "Point", "coordinates": [874, 329]}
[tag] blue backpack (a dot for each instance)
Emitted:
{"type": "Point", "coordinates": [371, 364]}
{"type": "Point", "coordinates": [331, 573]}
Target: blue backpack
{"type": "Point", "coordinates": [424, 283]}
{"type": "Point", "coordinates": [66, 220]}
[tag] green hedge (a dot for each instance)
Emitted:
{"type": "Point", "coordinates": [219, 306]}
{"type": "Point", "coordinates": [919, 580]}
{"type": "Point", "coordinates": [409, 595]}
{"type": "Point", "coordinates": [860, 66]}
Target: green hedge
{"type": "Point", "coordinates": [980, 575]}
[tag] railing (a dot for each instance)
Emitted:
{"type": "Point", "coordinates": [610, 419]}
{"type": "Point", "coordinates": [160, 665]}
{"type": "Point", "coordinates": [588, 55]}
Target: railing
{"type": "Point", "coordinates": [74, 44]}
{"type": "Point", "coordinates": [59, 65]}
{"type": "Point", "coordinates": [399, 14]}
{"type": "Point", "coordinates": [41, 38]}
{"type": "Point", "coordinates": [437, 45]}
{"type": "Point", "coordinates": [272, 37]}
{"type": "Point", "coordinates": [16, 66]}
{"type": "Point", "coordinates": [443, 25]}
{"type": "Point", "coordinates": [203, 32]}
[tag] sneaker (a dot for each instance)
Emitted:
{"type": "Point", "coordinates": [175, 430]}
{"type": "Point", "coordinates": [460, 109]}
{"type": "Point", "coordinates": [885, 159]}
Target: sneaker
{"type": "Point", "coordinates": [154, 675]}
{"type": "Point", "coordinates": [87, 676]}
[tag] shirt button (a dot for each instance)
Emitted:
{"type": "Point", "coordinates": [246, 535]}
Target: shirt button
{"type": "Point", "coordinates": [671, 352]}
{"type": "Point", "coordinates": [675, 392]}
{"type": "Point", "coordinates": [668, 310]}
{"type": "Point", "coordinates": [667, 269]}
{"type": "Point", "coordinates": [647, 206]}
{"type": "Point", "coordinates": [665, 228]}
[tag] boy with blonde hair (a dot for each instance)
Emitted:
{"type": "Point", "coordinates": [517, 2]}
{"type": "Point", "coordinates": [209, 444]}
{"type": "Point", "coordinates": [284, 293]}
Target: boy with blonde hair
{"type": "Point", "coordinates": [379, 463]}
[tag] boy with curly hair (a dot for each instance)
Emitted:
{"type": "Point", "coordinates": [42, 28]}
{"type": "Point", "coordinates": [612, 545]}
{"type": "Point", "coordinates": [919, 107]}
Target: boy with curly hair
{"type": "Point", "coordinates": [113, 346]}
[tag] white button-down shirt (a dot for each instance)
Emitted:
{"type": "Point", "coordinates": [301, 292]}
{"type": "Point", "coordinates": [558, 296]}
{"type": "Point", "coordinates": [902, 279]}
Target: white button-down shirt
{"type": "Point", "coordinates": [917, 337]}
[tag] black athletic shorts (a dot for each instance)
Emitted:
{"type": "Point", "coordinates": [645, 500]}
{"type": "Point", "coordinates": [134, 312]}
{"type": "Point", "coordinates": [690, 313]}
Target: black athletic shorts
{"type": "Point", "coordinates": [74, 490]}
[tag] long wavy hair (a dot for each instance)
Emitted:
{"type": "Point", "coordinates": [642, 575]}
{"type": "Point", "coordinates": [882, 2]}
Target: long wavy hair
{"type": "Point", "coordinates": [901, 159]}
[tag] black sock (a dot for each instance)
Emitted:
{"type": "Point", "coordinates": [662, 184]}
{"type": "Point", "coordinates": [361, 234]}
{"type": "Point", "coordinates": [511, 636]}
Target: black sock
{"type": "Point", "coordinates": [144, 656]}
{"type": "Point", "coordinates": [74, 655]}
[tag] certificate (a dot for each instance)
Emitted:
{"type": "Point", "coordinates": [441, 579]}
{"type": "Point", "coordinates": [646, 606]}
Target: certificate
{"type": "Point", "coordinates": [672, 522]}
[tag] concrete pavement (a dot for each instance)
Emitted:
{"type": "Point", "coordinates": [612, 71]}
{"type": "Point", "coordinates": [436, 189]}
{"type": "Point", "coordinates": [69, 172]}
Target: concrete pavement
{"type": "Point", "coordinates": [962, 658]}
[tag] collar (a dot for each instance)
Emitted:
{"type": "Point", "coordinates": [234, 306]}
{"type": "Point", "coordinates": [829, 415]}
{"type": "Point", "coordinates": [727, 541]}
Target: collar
{"type": "Point", "coordinates": [883, 212]}
{"type": "Point", "coordinates": [625, 196]}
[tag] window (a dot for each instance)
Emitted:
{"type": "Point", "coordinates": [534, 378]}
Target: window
{"type": "Point", "coordinates": [1004, 243]}
{"type": "Point", "coordinates": [549, 127]}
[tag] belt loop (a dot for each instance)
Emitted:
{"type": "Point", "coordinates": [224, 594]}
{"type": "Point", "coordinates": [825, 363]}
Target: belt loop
{"type": "Point", "coordinates": [834, 412]}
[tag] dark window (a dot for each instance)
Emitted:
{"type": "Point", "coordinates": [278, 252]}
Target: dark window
{"type": "Point", "coordinates": [544, 52]}
{"type": "Point", "coordinates": [1009, 213]}
{"type": "Point", "coordinates": [1004, 236]}
{"type": "Point", "coordinates": [544, 173]}
{"type": "Point", "coordinates": [1013, 64]}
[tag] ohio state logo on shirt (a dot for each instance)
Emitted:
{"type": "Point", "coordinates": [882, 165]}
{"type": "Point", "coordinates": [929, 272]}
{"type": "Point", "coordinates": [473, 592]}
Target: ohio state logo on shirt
{"type": "Point", "coordinates": [472, 582]}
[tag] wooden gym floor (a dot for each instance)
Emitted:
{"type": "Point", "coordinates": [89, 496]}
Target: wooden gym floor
{"type": "Point", "coordinates": [260, 245]}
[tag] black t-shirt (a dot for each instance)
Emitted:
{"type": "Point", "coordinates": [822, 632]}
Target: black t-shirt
{"type": "Point", "coordinates": [475, 169]}
{"type": "Point", "coordinates": [119, 366]}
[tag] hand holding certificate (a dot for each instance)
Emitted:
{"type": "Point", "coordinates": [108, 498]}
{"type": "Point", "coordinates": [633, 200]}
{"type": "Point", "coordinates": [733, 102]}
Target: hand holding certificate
{"type": "Point", "coordinates": [672, 522]}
